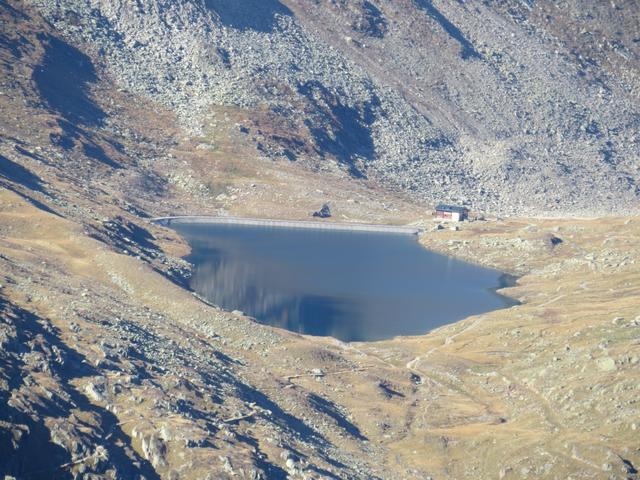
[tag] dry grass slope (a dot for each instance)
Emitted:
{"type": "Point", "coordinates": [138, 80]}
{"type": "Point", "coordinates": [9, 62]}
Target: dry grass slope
{"type": "Point", "coordinates": [110, 368]}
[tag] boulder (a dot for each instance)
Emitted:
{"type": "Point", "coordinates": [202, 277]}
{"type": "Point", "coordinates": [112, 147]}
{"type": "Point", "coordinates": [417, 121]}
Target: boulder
{"type": "Point", "coordinates": [606, 364]}
{"type": "Point", "coordinates": [324, 212]}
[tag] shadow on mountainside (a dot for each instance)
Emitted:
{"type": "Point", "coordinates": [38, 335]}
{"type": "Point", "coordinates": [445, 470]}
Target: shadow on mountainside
{"type": "Point", "coordinates": [343, 131]}
{"type": "Point", "coordinates": [283, 419]}
{"type": "Point", "coordinates": [71, 133]}
{"type": "Point", "coordinates": [331, 410]}
{"type": "Point", "coordinates": [258, 15]}
{"type": "Point", "coordinates": [372, 21]}
{"type": "Point", "coordinates": [33, 417]}
{"type": "Point", "coordinates": [16, 173]}
{"type": "Point", "coordinates": [63, 80]}
{"type": "Point", "coordinates": [468, 50]}
{"type": "Point", "coordinates": [12, 11]}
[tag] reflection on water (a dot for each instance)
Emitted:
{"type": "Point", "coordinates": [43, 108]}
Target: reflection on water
{"type": "Point", "coordinates": [349, 285]}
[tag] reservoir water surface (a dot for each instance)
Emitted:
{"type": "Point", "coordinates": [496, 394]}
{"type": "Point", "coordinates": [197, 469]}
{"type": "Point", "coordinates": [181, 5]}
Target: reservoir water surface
{"type": "Point", "coordinates": [354, 286]}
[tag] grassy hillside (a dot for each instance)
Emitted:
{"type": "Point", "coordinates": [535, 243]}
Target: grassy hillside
{"type": "Point", "coordinates": [111, 368]}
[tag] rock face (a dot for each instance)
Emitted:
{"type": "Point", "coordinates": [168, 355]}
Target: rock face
{"type": "Point", "coordinates": [509, 106]}
{"type": "Point", "coordinates": [324, 212]}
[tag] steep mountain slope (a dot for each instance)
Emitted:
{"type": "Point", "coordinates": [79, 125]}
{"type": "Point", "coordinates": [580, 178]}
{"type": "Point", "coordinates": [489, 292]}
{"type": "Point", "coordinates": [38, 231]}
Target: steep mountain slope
{"type": "Point", "coordinates": [509, 106]}
{"type": "Point", "coordinates": [111, 368]}
{"type": "Point", "coordinates": [99, 376]}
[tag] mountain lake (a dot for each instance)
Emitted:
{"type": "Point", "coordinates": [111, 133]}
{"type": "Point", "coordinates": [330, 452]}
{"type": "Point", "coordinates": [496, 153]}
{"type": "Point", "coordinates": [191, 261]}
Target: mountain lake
{"type": "Point", "coordinates": [354, 286]}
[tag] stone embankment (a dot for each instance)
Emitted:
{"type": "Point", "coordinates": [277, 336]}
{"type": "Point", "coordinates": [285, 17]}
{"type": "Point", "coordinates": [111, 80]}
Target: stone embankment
{"type": "Point", "coordinates": [259, 222]}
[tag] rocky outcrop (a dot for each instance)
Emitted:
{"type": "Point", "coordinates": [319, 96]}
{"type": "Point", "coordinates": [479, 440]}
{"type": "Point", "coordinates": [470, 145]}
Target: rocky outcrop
{"type": "Point", "coordinates": [324, 212]}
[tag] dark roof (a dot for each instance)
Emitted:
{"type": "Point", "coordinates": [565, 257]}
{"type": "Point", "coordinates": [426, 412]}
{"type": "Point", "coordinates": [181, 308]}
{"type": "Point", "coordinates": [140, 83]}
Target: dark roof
{"type": "Point", "coordinates": [451, 208]}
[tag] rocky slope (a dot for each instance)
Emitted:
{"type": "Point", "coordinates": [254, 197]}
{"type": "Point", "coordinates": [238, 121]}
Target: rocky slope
{"type": "Point", "coordinates": [510, 106]}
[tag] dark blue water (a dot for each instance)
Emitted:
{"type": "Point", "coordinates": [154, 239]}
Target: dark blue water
{"type": "Point", "coordinates": [354, 286]}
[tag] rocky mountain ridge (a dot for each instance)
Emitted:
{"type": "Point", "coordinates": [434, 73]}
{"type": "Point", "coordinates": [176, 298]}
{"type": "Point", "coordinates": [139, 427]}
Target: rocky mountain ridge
{"type": "Point", "coordinates": [508, 106]}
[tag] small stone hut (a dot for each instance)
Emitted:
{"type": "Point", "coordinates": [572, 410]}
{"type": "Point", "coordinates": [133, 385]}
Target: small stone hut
{"type": "Point", "coordinates": [451, 212]}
